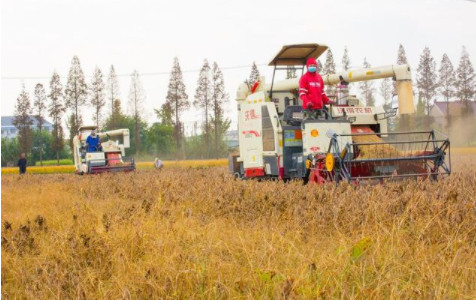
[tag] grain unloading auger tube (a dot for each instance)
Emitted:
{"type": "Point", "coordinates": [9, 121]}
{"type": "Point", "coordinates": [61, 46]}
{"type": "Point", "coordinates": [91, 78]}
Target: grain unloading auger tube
{"type": "Point", "coordinates": [372, 156]}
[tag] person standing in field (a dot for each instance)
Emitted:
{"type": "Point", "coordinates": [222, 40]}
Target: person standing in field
{"type": "Point", "coordinates": [158, 164]}
{"type": "Point", "coordinates": [22, 164]}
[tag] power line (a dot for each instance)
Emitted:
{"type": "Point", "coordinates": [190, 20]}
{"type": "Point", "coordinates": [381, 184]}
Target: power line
{"type": "Point", "coordinates": [127, 75]}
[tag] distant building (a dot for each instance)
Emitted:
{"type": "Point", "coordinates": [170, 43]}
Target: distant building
{"type": "Point", "coordinates": [462, 129]}
{"type": "Point", "coordinates": [10, 131]}
{"type": "Point", "coordinates": [456, 109]}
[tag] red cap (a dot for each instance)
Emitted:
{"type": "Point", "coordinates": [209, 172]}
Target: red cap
{"type": "Point", "coordinates": [311, 61]}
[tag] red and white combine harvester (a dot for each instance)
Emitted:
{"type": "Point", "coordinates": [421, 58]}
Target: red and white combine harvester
{"type": "Point", "coordinates": [346, 141]}
{"type": "Point", "coordinates": [109, 156]}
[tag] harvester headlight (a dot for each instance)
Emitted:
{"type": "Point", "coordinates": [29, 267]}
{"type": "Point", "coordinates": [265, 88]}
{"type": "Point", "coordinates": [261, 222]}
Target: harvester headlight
{"type": "Point", "coordinates": [314, 133]}
{"type": "Point", "coordinates": [329, 162]}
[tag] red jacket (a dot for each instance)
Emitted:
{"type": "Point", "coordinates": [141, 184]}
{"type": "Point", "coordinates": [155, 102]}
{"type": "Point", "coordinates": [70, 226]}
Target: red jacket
{"type": "Point", "coordinates": [311, 89]}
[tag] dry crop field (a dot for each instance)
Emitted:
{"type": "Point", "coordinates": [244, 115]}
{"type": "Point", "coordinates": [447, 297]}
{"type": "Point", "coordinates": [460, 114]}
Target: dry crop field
{"type": "Point", "coordinates": [139, 165]}
{"type": "Point", "coordinates": [185, 233]}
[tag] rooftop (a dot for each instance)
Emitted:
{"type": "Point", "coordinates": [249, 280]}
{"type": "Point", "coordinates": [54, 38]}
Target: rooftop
{"type": "Point", "coordinates": [7, 121]}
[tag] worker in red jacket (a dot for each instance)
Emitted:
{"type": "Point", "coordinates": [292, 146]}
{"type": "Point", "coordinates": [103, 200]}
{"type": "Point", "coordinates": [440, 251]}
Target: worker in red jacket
{"type": "Point", "coordinates": [311, 88]}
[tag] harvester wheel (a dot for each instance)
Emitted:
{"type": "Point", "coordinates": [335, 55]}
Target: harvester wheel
{"type": "Point", "coordinates": [319, 174]}
{"type": "Point", "coordinates": [316, 177]}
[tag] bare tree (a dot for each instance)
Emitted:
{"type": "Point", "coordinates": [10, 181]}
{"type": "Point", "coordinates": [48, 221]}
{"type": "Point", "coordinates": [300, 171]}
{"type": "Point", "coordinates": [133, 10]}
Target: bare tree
{"type": "Point", "coordinates": [329, 68]}
{"type": "Point", "coordinates": [329, 65]}
{"type": "Point", "coordinates": [466, 80]}
{"type": "Point", "coordinates": [56, 110]}
{"type": "Point", "coordinates": [319, 66]}
{"type": "Point", "coordinates": [22, 121]}
{"type": "Point", "coordinates": [96, 92]}
{"type": "Point", "coordinates": [426, 78]}
{"type": "Point", "coordinates": [386, 92]}
{"type": "Point", "coordinates": [447, 83]}
{"type": "Point", "coordinates": [136, 101]}
{"type": "Point", "coordinates": [254, 75]}
{"type": "Point", "coordinates": [346, 60]}
{"type": "Point", "coordinates": [346, 64]}
{"type": "Point", "coordinates": [112, 89]}
{"type": "Point", "coordinates": [75, 95]}
{"type": "Point", "coordinates": [367, 87]}
{"type": "Point", "coordinates": [203, 100]}
{"type": "Point", "coordinates": [401, 56]}
{"type": "Point", "coordinates": [401, 60]}
{"type": "Point", "coordinates": [39, 106]}
{"type": "Point", "coordinates": [447, 78]}
{"type": "Point", "coordinates": [219, 97]}
{"type": "Point", "coordinates": [386, 87]}
{"type": "Point", "coordinates": [177, 100]}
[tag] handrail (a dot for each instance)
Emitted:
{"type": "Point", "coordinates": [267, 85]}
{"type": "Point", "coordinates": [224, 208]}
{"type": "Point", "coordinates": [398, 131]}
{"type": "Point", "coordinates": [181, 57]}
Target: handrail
{"type": "Point", "coordinates": [384, 133]}
{"type": "Point", "coordinates": [399, 142]}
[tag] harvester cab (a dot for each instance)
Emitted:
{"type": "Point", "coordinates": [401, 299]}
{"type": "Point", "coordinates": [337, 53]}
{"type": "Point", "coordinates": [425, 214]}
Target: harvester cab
{"type": "Point", "coordinates": [107, 156]}
{"type": "Point", "coordinates": [346, 141]}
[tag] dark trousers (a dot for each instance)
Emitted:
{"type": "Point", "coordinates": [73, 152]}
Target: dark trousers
{"type": "Point", "coordinates": [313, 114]}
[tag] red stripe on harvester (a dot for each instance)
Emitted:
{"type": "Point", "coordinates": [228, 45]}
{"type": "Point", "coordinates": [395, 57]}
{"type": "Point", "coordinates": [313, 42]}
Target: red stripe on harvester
{"type": "Point", "coordinates": [254, 172]}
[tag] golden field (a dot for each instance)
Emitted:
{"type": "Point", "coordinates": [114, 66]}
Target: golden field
{"type": "Point", "coordinates": [204, 163]}
{"type": "Point", "coordinates": [139, 166]}
{"type": "Point", "coordinates": [188, 233]}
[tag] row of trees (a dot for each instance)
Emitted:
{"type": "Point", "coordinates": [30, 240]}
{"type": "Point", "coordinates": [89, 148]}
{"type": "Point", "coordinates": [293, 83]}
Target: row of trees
{"type": "Point", "coordinates": [60, 100]}
{"type": "Point", "coordinates": [155, 140]}
{"type": "Point", "coordinates": [210, 97]}
{"type": "Point", "coordinates": [40, 108]}
{"type": "Point", "coordinates": [42, 144]}
{"type": "Point", "coordinates": [459, 85]}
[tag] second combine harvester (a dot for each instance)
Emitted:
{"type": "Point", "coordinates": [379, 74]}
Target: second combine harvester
{"type": "Point", "coordinates": [348, 141]}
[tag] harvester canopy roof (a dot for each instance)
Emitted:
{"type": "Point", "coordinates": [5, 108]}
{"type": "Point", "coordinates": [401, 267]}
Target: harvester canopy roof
{"type": "Point", "coordinates": [84, 128]}
{"type": "Point", "coordinates": [293, 55]}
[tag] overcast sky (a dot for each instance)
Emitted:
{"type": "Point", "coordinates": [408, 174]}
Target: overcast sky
{"type": "Point", "coordinates": [40, 36]}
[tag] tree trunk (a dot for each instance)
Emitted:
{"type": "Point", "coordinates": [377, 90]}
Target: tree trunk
{"type": "Point", "coordinates": [76, 103]}
{"type": "Point", "coordinates": [207, 128]}
{"type": "Point", "coordinates": [216, 130]}
{"type": "Point", "coordinates": [57, 142]}
{"type": "Point", "coordinates": [55, 132]}
{"type": "Point", "coordinates": [448, 125]}
{"type": "Point", "coordinates": [112, 109]}
{"type": "Point", "coordinates": [136, 121]}
{"type": "Point", "coordinates": [182, 134]}
{"type": "Point", "coordinates": [136, 125]}
{"type": "Point", "coordinates": [41, 147]}
{"type": "Point", "coordinates": [97, 110]}
{"type": "Point", "coordinates": [177, 125]}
